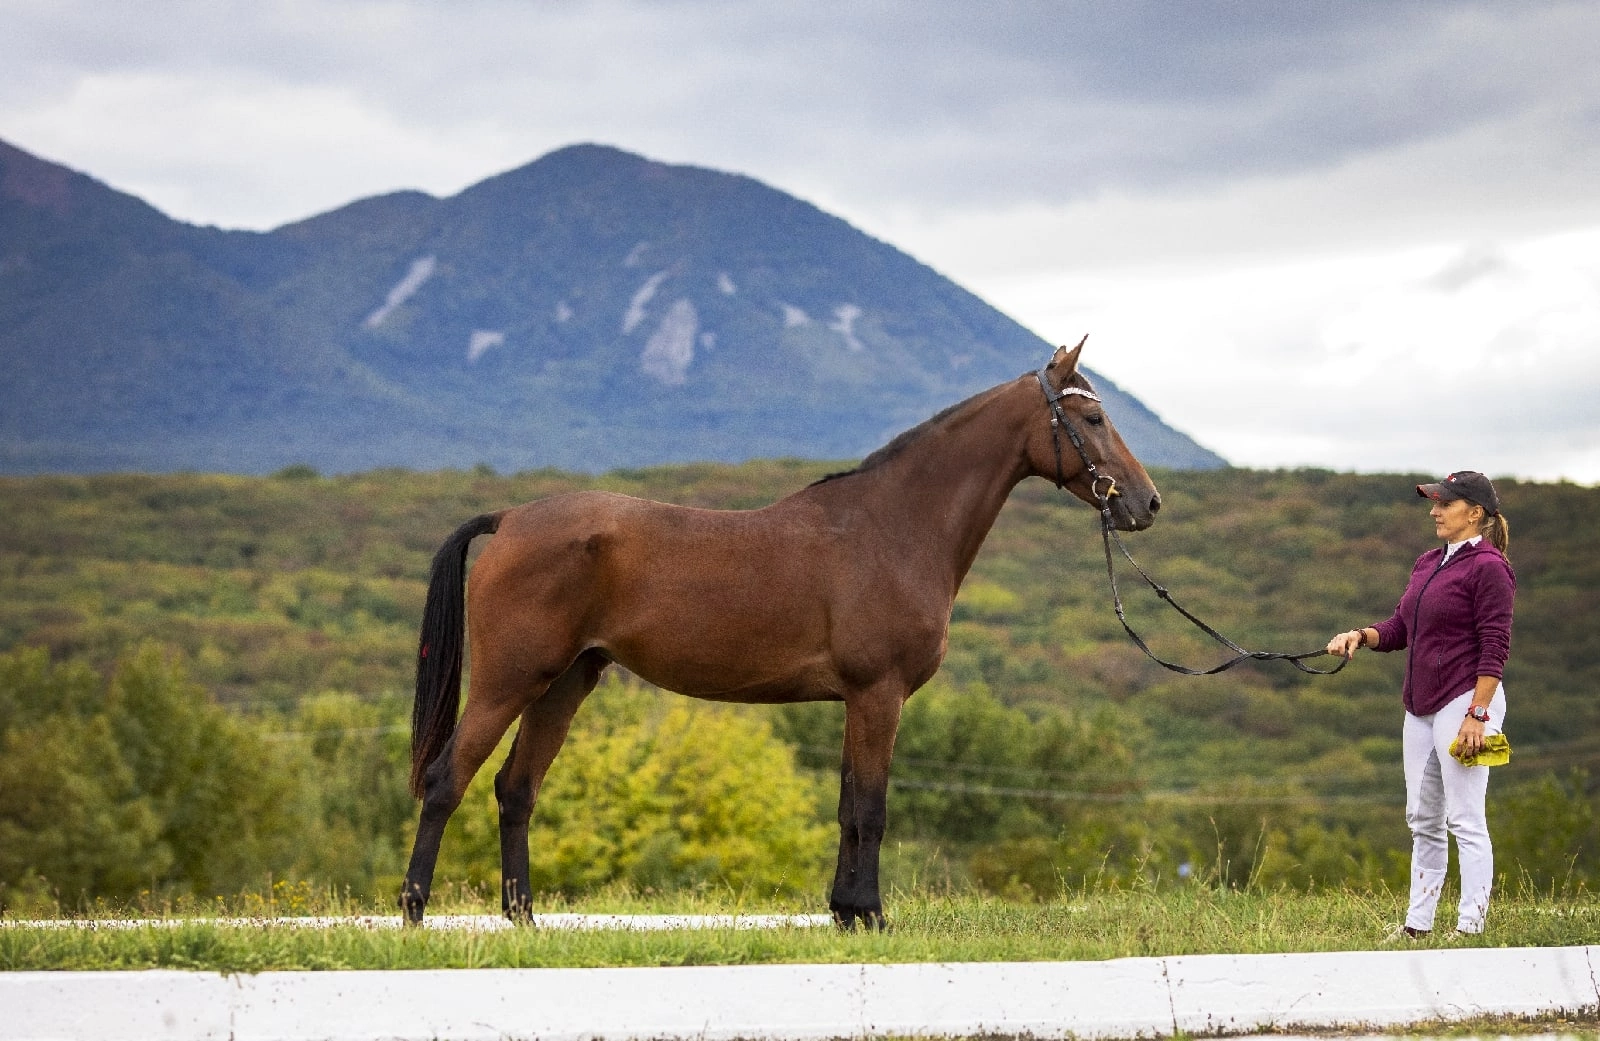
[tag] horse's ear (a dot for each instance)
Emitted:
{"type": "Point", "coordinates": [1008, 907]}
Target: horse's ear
{"type": "Point", "coordinates": [1065, 361]}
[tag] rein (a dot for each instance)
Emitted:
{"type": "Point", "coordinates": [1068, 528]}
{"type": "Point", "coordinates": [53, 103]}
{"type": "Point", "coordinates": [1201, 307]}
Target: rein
{"type": "Point", "coordinates": [1108, 534]}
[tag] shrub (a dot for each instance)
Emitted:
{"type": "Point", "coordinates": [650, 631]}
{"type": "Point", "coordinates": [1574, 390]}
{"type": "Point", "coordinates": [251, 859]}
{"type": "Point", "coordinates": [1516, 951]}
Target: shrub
{"type": "Point", "coordinates": [656, 793]}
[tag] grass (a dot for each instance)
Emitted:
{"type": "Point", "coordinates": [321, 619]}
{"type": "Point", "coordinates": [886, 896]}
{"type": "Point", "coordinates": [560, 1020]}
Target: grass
{"type": "Point", "coordinates": [1090, 926]}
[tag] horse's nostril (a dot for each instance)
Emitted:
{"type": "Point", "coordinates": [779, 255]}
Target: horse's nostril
{"type": "Point", "coordinates": [1155, 503]}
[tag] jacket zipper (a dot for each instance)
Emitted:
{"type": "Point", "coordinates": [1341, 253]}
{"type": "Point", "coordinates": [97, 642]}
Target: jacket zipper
{"type": "Point", "coordinates": [1416, 613]}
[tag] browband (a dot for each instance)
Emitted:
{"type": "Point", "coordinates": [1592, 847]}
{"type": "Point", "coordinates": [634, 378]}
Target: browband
{"type": "Point", "coordinates": [1055, 396]}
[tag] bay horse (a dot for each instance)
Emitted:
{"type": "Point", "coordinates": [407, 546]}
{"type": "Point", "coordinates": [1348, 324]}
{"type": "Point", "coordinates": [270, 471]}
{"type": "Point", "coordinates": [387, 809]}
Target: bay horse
{"type": "Point", "coordinates": [841, 591]}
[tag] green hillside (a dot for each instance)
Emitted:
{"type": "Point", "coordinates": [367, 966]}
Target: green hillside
{"type": "Point", "coordinates": [273, 621]}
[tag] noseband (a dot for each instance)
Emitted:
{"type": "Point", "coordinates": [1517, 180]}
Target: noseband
{"type": "Point", "coordinates": [1108, 534]}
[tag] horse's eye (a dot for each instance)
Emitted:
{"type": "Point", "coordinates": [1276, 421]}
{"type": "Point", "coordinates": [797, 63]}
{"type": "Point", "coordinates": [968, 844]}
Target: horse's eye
{"type": "Point", "coordinates": [1095, 418]}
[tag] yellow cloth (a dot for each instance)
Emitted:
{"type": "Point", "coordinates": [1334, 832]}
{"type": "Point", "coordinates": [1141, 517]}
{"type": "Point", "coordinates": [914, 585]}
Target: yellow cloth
{"type": "Point", "coordinates": [1496, 752]}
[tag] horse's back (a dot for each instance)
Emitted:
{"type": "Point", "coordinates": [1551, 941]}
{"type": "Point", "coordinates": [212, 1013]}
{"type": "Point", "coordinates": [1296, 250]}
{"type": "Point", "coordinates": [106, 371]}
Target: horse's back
{"type": "Point", "coordinates": [597, 523]}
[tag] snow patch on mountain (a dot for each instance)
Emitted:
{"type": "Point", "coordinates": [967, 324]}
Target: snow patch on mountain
{"type": "Point", "coordinates": [482, 340]}
{"type": "Point", "coordinates": [844, 323]}
{"type": "Point", "coordinates": [421, 270]}
{"type": "Point", "coordinates": [670, 349]}
{"type": "Point", "coordinates": [636, 315]}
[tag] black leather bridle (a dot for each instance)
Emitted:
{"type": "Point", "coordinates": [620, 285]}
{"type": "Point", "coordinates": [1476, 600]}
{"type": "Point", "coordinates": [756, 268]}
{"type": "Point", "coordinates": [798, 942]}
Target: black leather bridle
{"type": "Point", "coordinates": [1108, 534]}
{"type": "Point", "coordinates": [1058, 423]}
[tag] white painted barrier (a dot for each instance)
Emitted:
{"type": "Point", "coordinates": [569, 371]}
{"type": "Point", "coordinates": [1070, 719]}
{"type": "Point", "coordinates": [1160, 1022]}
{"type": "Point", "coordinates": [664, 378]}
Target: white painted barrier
{"type": "Point", "coordinates": [1124, 998]}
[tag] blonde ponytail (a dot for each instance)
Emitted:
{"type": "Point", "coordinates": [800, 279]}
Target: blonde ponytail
{"type": "Point", "coordinates": [1497, 530]}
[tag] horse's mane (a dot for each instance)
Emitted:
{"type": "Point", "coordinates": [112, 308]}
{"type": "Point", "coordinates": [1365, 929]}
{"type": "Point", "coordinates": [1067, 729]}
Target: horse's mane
{"type": "Point", "coordinates": [900, 441]}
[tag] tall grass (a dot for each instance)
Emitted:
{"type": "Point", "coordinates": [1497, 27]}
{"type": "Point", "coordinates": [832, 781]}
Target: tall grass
{"type": "Point", "coordinates": [952, 927]}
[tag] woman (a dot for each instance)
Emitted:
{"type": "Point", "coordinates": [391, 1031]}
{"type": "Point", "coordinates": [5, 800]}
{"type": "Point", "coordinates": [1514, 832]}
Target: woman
{"type": "Point", "coordinates": [1455, 619]}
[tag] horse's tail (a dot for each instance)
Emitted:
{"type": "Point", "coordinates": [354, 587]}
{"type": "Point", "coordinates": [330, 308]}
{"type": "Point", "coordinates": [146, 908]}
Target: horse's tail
{"type": "Point", "coordinates": [440, 648]}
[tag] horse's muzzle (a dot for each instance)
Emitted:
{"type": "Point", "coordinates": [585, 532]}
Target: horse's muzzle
{"type": "Point", "coordinates": [1129, 513]}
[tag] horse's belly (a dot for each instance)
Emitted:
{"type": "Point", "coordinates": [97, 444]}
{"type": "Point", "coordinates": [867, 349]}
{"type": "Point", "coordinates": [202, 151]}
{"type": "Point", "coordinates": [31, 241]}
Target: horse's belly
{"type": "Point", "coordinates": [730, 662]}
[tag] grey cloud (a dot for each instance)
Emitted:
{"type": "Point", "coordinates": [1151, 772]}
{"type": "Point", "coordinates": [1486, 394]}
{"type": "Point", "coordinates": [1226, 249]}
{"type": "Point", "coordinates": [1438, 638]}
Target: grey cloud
{"type": "Point", "coordinates": [1478, 261]}
{"type": "Point", "coordinates": [944, 99]}
{"type": "Point", "coordinates": [1194, 133]}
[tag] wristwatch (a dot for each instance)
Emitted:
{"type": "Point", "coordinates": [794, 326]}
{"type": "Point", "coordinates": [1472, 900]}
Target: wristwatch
{"type": "Point", "coordinates": [1480, 714]}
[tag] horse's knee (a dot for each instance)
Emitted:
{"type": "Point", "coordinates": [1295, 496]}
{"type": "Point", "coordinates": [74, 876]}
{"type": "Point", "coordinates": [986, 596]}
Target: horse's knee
{"type": "Point", "coordinates": [872, 818]}
{"type": "Point", "coordinates": [847, 814]}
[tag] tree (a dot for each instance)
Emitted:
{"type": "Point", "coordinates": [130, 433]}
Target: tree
{"type": "Point", "coordinates": [73, 821]}
{"type": "Point", "coordinates": [355, 758]}
{"type": "Point", "coordinates": [147, 786]}
{"type": "Point", "coordinates": [657, 793]}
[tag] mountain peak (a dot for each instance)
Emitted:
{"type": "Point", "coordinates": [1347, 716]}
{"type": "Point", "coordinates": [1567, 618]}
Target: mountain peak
{"type": "Point", "coordinates": [591, 309]}
{"type": "Point", "coordinates": [31, 181]}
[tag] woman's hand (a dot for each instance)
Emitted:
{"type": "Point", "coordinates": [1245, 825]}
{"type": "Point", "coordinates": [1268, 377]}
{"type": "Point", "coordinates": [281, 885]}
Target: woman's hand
{"type": "Point", "coordinates": [1347, 644]}
{"type": "Point", "coordinates": [1470, 738]}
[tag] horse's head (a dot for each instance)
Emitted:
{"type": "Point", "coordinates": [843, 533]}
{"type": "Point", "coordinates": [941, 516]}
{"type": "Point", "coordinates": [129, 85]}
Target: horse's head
{"type": "Point", "coordinates": [1076, 446]}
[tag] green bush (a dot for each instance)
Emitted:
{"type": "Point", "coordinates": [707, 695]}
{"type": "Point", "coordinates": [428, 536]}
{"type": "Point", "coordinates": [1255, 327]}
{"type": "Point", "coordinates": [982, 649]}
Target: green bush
{"type": "Point", "coordinates": [1047, 752]}
{"type": "Point", "coordinates": [656, 793]}
{"type": "Point", "coordinates": [1544, 834]}
{"type": "Point", "coordinates": [134, 782]}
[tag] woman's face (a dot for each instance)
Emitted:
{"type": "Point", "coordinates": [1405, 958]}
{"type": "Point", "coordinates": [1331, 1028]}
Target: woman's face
{"type": "Point", "coordinates": [1456, 520]}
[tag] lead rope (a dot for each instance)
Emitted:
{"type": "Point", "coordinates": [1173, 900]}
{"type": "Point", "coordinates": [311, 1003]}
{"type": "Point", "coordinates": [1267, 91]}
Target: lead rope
{"type": "Point", "coordinates": [1108, 534]}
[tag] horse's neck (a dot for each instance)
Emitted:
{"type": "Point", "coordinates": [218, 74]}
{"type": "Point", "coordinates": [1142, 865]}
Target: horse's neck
{"type": "Point", "coordinates": [944, 489]}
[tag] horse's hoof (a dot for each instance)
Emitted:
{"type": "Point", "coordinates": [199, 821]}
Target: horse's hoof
{"type": "Point", "coordinates": [411, 908]}
{"type": "Point", "coordinates": [847, 917]}
{"type": "Point", "coordinates": [516, 903]}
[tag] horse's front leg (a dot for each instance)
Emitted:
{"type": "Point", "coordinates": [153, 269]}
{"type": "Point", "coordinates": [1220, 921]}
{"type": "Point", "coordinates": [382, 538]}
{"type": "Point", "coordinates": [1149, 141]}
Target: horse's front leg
{"type": "Point", "coordinates": [871, 721]}
{"type": "Point", "coordinates": [849, 836]}
{"type": "Point", "coordinates": [539, 737]}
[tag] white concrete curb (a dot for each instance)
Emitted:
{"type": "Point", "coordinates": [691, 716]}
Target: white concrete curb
{"type": "Point", "coordinates": [1125, 998]}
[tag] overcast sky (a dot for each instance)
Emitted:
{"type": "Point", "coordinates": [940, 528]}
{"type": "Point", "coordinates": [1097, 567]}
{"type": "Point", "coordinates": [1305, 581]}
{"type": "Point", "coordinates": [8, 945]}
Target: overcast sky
{"type": "Point", "coordinates": [1362, 235]}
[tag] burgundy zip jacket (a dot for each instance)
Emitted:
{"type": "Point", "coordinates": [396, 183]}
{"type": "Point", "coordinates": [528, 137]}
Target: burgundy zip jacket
{"type": "Point", "coordinates": [1456, 619]}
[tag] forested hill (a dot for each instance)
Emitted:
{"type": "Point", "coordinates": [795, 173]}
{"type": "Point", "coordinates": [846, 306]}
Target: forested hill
{"type": "Point", "coordinates": [589, 310]}
{"type": "Point", "coordinates": [284, 586]}
{"type": "Point", "coordinates": [272, 590]}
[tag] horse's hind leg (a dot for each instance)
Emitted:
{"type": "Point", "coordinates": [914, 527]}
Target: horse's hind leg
{"type": "Point", "coordinates": [483, 722]}
{"type": "Point", "coordinates": [539, 737]}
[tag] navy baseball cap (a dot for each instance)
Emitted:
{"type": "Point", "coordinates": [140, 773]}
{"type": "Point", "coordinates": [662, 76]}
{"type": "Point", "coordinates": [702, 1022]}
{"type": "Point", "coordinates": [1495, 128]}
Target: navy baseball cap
{"type": "Point", "coordinates": [1463, 484]}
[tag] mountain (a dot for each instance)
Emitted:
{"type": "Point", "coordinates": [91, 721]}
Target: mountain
{"type": "Point", "coordinates": [590, 310]}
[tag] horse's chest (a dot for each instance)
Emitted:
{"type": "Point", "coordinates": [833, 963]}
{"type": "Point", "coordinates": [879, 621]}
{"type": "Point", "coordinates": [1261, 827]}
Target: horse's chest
{"type": "Point", "coordinates": [896, 631]}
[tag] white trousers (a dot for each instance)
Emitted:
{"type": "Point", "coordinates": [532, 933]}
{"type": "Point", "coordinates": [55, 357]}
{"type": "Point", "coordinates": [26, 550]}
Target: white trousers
{"type": "Point", "coordinates": [1445, 798]}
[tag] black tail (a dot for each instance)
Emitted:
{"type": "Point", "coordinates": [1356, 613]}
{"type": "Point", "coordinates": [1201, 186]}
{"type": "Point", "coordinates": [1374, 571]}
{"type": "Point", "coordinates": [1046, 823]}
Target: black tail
{"type": "Point", "coordinates": [440, 648]}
